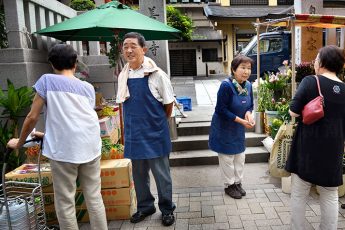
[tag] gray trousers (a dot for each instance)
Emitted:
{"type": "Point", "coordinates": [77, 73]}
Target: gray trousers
{"type": "Point", "coordinates": [64, 182]}
{"type": "Point", "coordinates": [161, 172]}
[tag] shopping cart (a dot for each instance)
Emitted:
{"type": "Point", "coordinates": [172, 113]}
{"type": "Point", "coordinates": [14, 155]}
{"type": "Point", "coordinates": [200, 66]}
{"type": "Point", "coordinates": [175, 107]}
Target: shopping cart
{"type": "Point", "coordinates": [21, 203]}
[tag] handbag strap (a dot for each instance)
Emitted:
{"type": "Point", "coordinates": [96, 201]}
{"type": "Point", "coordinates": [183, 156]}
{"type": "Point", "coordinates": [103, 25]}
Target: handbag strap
{"type": "Point", "coordinates": [318, 85]}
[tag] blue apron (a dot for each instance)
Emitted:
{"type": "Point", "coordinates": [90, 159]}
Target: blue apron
{"type": "Point", "coordinates": [226, 136]}
{"type": "Point", "coordinates": [146, 128]}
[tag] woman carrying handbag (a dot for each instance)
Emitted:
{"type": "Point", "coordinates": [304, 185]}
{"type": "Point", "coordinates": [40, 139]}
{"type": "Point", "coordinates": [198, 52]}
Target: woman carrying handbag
{"type": "Point", "coordinates": [317, 150]}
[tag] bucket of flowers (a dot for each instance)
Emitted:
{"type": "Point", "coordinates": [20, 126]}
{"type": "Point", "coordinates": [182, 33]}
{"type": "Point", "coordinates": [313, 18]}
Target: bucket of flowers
{"type": "Point", "coordinates": [273, 96]}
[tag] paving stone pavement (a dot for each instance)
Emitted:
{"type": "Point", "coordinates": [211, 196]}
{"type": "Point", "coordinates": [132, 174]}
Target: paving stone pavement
{"type": "Point", "coordinates": [199, 196]}
{"type": "Point", "coordinates": [202, 204]}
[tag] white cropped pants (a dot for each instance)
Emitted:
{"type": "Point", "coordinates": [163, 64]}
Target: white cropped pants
{"type": "Point", "coordinates": [328, 204]}
{"type": "Point", "coordinates": [231, 167]}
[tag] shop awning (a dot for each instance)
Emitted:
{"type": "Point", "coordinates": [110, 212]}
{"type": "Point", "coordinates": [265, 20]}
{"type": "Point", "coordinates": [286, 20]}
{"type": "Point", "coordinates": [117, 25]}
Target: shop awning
{"type": "Point", "coordinates": [303, 20]}
{"type": "Point", "coordinates": [311, 20]}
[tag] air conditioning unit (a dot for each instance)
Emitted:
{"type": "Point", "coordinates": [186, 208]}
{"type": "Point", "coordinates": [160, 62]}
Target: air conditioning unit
{"type": "Point", "coordinates": [197, 1]}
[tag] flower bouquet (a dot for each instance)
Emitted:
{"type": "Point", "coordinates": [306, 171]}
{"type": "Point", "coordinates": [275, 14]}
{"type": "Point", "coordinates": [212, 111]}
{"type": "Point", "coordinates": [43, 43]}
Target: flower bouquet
{"type": "Point", "coordinates": [33, 153]}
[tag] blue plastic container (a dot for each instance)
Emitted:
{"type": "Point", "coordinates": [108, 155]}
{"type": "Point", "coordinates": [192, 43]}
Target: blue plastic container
{"type": "Point", "coordinates": [186, 102]}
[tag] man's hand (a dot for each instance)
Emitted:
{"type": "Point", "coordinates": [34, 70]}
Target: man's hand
{"type": "Point", "coordinates": [168, 109]}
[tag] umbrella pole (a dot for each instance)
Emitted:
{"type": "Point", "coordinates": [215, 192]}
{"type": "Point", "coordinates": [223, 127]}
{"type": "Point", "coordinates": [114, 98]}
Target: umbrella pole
{"type": "Point", "coordinates": [258, 51]}
{"type": "Point", "coordinates": [293, 58]}
{"type": "Point", "coordinates": [122, 139]}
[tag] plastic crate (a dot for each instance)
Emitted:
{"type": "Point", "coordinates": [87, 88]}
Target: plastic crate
{"type": "Point", "coordinates": [186, 102]}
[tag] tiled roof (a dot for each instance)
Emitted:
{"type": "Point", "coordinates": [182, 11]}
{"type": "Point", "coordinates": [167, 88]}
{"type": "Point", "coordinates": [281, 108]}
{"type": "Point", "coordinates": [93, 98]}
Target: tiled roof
{"type": "Point", "coordinates": [217, 11]}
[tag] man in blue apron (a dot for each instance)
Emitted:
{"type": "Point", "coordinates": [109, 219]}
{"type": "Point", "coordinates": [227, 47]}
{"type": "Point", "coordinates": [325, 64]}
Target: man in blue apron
{"type": "Point", "coordinates": [147, 96]}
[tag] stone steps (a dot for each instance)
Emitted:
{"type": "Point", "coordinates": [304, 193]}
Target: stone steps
{"type": "Point", "coordinates": [199, 142]}
{"type": "Point", "coordinates": [191, 146]}
{"type": "Point", "coordinates": [208, 157]}
{"type": "Point", "coordinates": [196, 128]}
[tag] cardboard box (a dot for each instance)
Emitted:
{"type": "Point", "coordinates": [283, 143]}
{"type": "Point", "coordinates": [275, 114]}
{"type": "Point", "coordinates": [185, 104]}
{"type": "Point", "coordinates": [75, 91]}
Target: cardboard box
{"type": "Point", "coordinates": [28, 173]}
{"type": "Point", "coordinates": [121, 212]}
{"type": "Point", "coordinates": [99, 98]}
{"type": "Point", "coordinates": [116, 173]}
{"type": "Point", "coordinates": [111, 197]}
{"type": "Point", "coordinates": [112, 213]}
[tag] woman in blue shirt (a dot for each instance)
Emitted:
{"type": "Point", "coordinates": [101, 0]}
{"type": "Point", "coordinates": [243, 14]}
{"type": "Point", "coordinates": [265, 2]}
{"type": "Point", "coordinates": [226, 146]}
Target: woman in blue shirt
{"type": "Point", "coordinates": [233, 113]}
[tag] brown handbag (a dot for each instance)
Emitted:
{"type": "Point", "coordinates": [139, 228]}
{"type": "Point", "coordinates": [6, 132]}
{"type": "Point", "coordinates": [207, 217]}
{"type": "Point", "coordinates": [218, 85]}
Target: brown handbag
{"type": "Point", "coordinates": [313, 111]}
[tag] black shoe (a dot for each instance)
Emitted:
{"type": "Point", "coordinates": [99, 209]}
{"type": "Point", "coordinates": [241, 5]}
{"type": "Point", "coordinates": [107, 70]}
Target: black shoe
{"type": "Point", "coordinates": [168, 219]}
{"type": "Point", "coordinates": [232, 191]}
{"type": "Point", "coordinates": [139, 216]}
{"type": "Point", "coordinates": [240, 189]}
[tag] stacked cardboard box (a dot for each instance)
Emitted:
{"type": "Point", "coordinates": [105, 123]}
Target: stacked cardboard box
{"type": "Point", "coordinates": [117, 189]}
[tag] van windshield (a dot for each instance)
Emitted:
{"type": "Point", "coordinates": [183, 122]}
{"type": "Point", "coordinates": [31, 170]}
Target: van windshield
{"type": "Point", "coordinates": [249, 46]}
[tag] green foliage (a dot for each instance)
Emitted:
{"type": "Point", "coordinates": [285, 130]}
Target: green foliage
{"type": "Point", "coordinates": [304, 69]}
{"type": "Point", "coordinates": [3, 34]}
{"type": "Point", "coordinates": [307, 68]}
{"type": "Point", "coordinates": [181, 22]}
{"type": "Point", "coordinates": [6, 133]}
{"type": "Point", "coordinates": [15, 101]}
{"type": "Point", "coordinates": [115, 51]}
{"type": "Point", "coordinates": [265, 96]}
{"type": "Point", "coordinates": [283, 110]}
{"type": "Point", "coordinates": [82, 5]}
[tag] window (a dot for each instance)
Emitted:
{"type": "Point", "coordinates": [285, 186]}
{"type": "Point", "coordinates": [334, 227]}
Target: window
{"type": "Point", "coordinates": [269, 45]}
{"type": "Point", "coordinates": [285, 2]}
{"type": "Point", "coordinates": [248, 2]}
{"type": "Point", "coordinates": [209, 55]}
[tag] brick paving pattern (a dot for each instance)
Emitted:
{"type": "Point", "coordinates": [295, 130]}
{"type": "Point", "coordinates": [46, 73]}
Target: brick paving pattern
{"type": "Point", "coordinates": [262, 208]}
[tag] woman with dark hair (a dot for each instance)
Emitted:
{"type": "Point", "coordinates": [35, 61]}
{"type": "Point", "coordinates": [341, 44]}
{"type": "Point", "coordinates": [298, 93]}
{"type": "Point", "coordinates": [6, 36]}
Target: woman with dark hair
{"type": "Point", "coordinates": [71, 140]}
{"type": "Point", "coordinates": [317, 149]}
{"type": "Point", "coordinates": [233, 113]}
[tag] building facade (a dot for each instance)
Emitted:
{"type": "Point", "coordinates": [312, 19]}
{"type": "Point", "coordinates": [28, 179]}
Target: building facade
{"type": "Point", "coordinates": [203, 55]}
{"type": "Point", "coordinates": [235, 19]}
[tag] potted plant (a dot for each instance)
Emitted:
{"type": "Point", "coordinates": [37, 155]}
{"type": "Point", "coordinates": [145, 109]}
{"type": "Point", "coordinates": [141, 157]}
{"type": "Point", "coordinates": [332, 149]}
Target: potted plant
{"type": "Point", "coordinates": [277, 84]}
{"type": "Point", "coordinates": [283, 115]}
{"type": "Point", "coordinates": [304, 69]}
{"type": "Point", "coordinates": [13, 104]}
{"type": "Point", "coordinates": [259, 106]}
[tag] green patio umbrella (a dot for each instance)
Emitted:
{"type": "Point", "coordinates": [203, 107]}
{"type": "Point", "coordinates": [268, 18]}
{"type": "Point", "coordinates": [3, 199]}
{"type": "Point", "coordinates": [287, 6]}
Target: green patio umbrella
{"type": "Point", "coordinates": [102, 23]}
